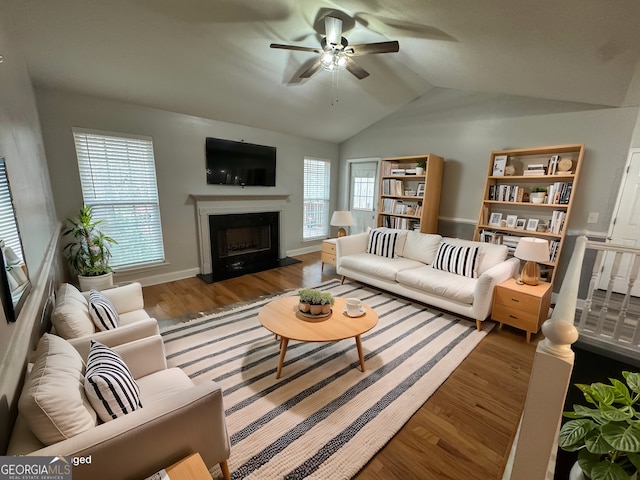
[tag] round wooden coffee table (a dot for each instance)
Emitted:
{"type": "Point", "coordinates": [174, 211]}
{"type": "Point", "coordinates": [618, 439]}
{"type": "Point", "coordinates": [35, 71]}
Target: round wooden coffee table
{"type": "Point", "coordinates": [283, 318]}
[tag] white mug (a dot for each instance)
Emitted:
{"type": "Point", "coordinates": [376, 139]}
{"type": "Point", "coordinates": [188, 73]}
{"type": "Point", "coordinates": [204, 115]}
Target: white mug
{"type": "Point", "coordinates": [353, 307]}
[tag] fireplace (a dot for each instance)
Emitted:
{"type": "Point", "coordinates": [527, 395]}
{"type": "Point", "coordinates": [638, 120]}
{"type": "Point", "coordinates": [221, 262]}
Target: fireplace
{"type": "Point", "coordinates": [243, 243]}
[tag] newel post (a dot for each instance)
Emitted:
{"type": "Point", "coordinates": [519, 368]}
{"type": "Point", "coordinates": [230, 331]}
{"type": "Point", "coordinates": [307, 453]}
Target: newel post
{"type": "Point", "coordinates": [550, 377]}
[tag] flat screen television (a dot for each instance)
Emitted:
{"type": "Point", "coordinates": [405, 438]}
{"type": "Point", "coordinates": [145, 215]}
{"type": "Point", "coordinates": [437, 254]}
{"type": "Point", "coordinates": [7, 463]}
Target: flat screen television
{"type": "Point", "coordinates": [240, 163]}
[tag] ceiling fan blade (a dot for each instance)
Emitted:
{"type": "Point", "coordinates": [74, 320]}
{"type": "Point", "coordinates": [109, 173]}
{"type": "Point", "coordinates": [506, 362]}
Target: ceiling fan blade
{"type": "Point", "coordinates": [294, 47]}
{"type": "Point", "coordinates": [333, 30]}
{"type": "Point", "coordinates": [313, 69]}
{"type": "Point", "coordinates": [369, 48]}
{"type": "Point", "coordinates": [356, 69]}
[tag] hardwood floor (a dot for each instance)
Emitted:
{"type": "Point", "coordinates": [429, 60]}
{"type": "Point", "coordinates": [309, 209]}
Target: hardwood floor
{"type": "Point", "coordinates": [464, 431]}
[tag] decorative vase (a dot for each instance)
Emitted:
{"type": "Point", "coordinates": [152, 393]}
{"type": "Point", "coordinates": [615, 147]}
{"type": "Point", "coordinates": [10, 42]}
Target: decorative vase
{"type": "Point", "coordinates": [538, 197]}
{"type": "Point", "coordinates": [96, 282]}
{"type": "Point", "coordinates": [419, 171]}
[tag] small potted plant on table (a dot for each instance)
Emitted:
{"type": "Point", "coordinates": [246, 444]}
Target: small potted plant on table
{"type": "Point", "coordinates": [606, 437]}
{"type": "Point", "coordinates": [314, 301]}
{"type": "Point", "coordinates": [88, 253]}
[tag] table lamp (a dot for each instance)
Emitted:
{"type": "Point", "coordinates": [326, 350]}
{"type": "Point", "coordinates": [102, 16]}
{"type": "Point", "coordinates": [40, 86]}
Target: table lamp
{"type": "Point", "coordinates": [341, 219]}
{"type": "Point", "coordinates": [533, 251]}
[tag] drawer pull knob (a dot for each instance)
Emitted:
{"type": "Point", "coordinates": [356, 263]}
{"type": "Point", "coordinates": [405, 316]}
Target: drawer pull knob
{"type": "Point", "coordinates": [513, 316]}
{"type": "Point", "coordinates": [515, 300]}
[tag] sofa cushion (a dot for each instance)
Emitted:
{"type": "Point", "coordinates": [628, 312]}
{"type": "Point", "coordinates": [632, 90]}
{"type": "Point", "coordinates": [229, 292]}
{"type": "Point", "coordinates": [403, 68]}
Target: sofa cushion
{"type": "Point", "coordinates": [438, 282]}
{"type": "Point", "coordinates": [376, 266]}
{"type": "Point", "coordinates": [162, 384]}
{"type": "Point", "coordinates": [490, 254]}
{"type": "Point", "coordinates": [383, 243]}
{"type": "Point", "coordinates": [70, 316]}
{"type": "Point", "coordinates": [53, 402]}
{"type": "Point", "coordinates": [109, 385]}
{"type": "Point", "coordinates": [458, 259]}
{"type": "Point", "coordinates": [421, 247]}
{"type": "Point", "coordinates": [103, 312]}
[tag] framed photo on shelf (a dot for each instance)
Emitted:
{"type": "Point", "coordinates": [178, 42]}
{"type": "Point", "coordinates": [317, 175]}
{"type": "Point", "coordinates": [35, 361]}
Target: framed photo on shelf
{"type": "Point", "coordinates": [495, 219]}
{"type": "Point", "coordinates": [511, 221]}
{"type": "Point", "coordinates": [532, 224]}
{"type": "Point", "coordinates": [420, 190]}
{"type": "Point", "coordinates": [499, 164]}
{"type": "Point", "coordinates": [521, 223]}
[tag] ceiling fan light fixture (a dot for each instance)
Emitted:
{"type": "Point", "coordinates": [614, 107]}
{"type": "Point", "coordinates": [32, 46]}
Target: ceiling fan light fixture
{"type": "Point", "coordinates": [333, 60]}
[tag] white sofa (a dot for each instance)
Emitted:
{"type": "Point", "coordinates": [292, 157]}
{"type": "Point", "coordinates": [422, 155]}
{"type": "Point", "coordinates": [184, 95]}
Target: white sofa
{"type": "Point", "coordinates": [71, 318]}
{"type": "Point", "coordinates": [410, 273]}
{"type": "Point", "coordinates": [177, 417]}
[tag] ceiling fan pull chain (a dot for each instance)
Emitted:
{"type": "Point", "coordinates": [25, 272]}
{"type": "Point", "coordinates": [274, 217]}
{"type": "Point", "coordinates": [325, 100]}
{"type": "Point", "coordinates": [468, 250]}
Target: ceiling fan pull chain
{"type": "Point", "coordinates": [334, 89]}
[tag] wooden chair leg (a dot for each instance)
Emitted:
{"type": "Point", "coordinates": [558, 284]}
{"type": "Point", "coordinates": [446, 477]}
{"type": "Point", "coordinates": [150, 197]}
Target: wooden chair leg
{"type": "Point", "coordinates": [342, 279]}
{"type": "Point", "coordinates": [479, 325]}
{"type": "Point", "coordinates": [225, 470]}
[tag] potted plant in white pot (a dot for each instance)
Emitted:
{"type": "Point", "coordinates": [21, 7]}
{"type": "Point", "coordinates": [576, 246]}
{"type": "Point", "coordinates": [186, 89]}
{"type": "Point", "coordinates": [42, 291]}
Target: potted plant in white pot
{"type": "Point", "coordinates": [606, 437]}
{"type": "Point", "coordinates": [89, 251]}
{"type": "Point", "coordinates": [420, 166]}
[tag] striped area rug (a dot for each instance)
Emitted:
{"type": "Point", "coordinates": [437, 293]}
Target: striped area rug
{"type": "Point", "coordinates": [323, 418]}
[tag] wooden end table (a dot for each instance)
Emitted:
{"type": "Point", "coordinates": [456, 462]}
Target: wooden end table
{"type": "Point", "coordinates": [521, 306]}
{"type": "Point", "coordinates": [189, 468]}
{"type": "Point", "coordinates": [282, 317]}
{"type": "Point", "coordinates": [328, 252]}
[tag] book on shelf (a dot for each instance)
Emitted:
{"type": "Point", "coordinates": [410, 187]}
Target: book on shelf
{"type": "Point", "coordinates": [506, 193]}
{"type": "Point", "coordinates": [553, 164]}
{"type": "Point", "coordinates": [559, 193]}
{"type": "Point", "coordinates": [556, 224]}
{"type": "Point", "coordinates": [398, 171]}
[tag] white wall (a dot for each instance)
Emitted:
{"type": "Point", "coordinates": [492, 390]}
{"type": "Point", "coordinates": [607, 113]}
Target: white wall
{"type": "Point", "coordinates": [465, 127]}
{"type": "Point", "coordinates": [21, 146]}
{"type": "Point", "coordinates": [180, 162]}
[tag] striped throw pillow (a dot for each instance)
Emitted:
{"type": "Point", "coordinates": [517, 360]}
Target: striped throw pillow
{"type": "Point", "coordinates": [382, 243]}
{"type": "Point", "coordinates": [457, 259]}
{"type": "Point", "coordinates": [103, 312]}
{"type": "Point", "coordinates": [108, 383]}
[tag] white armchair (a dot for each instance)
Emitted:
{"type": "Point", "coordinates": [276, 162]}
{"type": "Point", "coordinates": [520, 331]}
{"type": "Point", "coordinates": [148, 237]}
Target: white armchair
{"type": "Point", "coordinates": [177, 417]}
{"type": "Point", "coordinates": [71, 317]}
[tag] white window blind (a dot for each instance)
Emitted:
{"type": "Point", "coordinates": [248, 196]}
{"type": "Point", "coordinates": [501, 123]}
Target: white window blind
{"type": "Point", "coordinates": [317, 188]}
{"type": "Point", "coordinates": [8, 225]}
{"type": "Point", "coordinates": [118, 179]}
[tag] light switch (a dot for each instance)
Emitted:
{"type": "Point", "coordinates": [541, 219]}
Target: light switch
{"type": "Point", "coordinates": [592, 217]}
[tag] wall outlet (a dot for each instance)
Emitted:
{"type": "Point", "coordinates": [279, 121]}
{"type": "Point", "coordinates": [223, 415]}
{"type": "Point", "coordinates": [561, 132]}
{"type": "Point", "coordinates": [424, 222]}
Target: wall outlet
{"type": "Point", "coordinates": [592, 217]}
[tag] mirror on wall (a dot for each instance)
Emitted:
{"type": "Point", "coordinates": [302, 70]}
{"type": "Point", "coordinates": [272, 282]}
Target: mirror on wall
{"type": "Point", "coordinates": [14, 277]}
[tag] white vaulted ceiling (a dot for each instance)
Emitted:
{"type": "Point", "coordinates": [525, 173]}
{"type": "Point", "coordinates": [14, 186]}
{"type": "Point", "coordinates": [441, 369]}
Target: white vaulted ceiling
{"type": "Point", "coordinates": [211, 58]}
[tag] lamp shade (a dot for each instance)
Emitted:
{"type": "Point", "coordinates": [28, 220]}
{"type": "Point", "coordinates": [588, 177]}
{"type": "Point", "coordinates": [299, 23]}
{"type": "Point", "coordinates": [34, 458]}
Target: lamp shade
{"type": "Point", "coordinates": [341, 219]}
{"type": "Point", "coordinates": [532, 250]}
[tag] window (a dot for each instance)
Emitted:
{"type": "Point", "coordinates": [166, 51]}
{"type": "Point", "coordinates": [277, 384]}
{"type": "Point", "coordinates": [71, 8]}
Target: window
{"type": "Point", "coordinates": [118, 177]}
{"type": "Point", "coordinates": [363, 180]}
{"type": "Point", "coordinates": [317, 186]}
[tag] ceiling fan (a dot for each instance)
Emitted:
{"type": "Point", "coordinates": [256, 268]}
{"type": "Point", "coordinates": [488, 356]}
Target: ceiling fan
{"type": "Point", "coordinates": [335, 51]}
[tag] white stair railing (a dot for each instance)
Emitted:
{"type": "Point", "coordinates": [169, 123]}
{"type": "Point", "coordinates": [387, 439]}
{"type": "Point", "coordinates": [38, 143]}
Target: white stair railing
{"type": "Point", "coordinates": [534, 450]}
{"type": "Point", "coordinates": [609, 317]}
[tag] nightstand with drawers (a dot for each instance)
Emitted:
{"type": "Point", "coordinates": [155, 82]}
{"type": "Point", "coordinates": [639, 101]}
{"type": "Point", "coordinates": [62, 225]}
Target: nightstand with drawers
{"type": "Point", "coordinates": [521, 306]}
{"type": "Point", "coordinates": [328, 252]}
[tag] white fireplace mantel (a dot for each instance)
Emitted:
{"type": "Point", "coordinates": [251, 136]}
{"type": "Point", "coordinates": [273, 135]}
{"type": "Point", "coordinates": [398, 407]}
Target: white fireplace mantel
{"type": "Point", "coordinates": [226, 204]}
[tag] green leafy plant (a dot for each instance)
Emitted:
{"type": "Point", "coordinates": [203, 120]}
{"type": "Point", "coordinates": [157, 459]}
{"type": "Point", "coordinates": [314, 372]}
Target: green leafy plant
{"type": "Point", "coordinates": [538, 190]}
{"type": "Point", "coordinates": [89, 251]}
{"type": "Point", "coordinates": [607, 436]}
{"type": "Point", "coordinates": [421, 164]}
{"type": "Point", "coordinates": [314, 296]}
